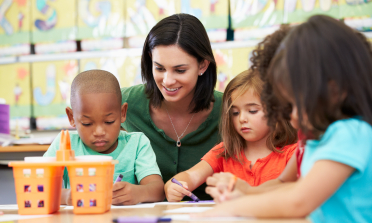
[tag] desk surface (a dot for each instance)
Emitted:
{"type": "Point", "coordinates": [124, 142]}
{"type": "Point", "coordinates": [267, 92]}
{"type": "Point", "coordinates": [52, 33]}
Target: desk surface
{"type": "Point", "coordinates": [24, 148]}
{"type": "Point", "coordinates": [68, 216]}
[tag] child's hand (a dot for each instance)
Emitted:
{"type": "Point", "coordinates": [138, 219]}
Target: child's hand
{"type": "Point", "coordinates": [174, 192]}
{"type": "Point", "coordinates": [66, 197]}
{"type": "Point", "coordinates": [220, 180]}
{"type": "Point", "coordinates": [219, 197]}
{"type": "Point", "coordinates": [125, 193]}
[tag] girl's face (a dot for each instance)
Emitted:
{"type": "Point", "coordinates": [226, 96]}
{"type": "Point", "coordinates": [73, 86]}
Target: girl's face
{"type": "Point", "coordinates": [248, 116]}
{"type": "Point", "coordinates": [176, 72]}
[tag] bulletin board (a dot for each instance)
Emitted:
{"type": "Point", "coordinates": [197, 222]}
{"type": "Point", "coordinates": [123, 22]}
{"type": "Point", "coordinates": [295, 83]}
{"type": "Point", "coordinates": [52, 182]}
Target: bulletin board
{"type": "Point", "coordinates": [213, 13]}
{"type": "Point", "coordinates": [296, 11]}
{"type": "Point", "coordinates": [114, 65]}
{"type": "Point", "coordinates": [16, 90]}
{"type": "Point", "coordinates": [101, 18]}
{"type": "Point", "coordinates": [142, 15]}
{"type": "Point", "coordinates": [355, 8]}
{"type": "Point", "coordinates": [53, 20]}
{"type": "Point", "coordinates": [230, 62]}
{"type": "Point", "coordinates": [249, 13]}
{"type": "Point", "coordinates": [15, 22]}
{"type": "Point", "coordinates": [51, 82]}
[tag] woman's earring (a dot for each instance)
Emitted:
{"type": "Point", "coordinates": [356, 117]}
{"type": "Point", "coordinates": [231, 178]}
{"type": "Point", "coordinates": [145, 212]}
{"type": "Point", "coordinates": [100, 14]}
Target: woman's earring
{"type": "Point", "coordinates": [201, 74]}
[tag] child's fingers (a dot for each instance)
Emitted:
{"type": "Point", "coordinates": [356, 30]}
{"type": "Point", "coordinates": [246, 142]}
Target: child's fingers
{"type": "Point", "coordinates": [118, 186]}
{"type": "Point", "coordinates": [184, 184]}
{"type": "Point", "coordinates": [211, 181]}
{"type": "Point", "coordinates": [181, 190]}
{"type": "Point", "coordinates": [213, 192]}
{"type": "Point", "coordinates": [119, 200]}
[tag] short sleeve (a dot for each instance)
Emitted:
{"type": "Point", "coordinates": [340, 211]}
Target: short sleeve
{"type": "Point", "coordinates": [145, 163]}
{"type": "Point", "coordinates": [348, 142]}
{"type": "Point", "coordinates": [290, 149]}
{"type": "Point", "coordinates": [52, 150]}
{"type": "Point", "coordinates": [213, 159]}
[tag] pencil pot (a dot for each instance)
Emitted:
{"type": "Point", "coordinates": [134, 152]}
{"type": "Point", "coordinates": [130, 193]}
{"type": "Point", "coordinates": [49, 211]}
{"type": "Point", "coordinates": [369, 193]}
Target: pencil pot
{"type": "Point", "coordinates": [38, 187]}
{"type": "Point", "coordinates": [91, 184]}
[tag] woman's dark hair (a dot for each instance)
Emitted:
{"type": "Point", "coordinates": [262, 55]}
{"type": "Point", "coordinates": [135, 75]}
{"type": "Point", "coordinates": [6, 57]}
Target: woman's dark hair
{"type": "Point", "coordinates": [187, 32]}
{"type": "Point", "coordinates": [326, 68]}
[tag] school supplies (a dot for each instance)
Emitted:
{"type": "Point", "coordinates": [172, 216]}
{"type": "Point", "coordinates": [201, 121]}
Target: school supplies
{"type": "Point", "coordinates": [192, 196]}
{"type": "Point", "coordinates": [135, 219]}
{"type": "Point", "coordinates": [38, 181]}
{"type": "Point", "coordinates": [120, 177]}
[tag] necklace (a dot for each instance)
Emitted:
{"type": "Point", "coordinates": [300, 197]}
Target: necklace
{"type": "Point", "coordinates": [178, 144]}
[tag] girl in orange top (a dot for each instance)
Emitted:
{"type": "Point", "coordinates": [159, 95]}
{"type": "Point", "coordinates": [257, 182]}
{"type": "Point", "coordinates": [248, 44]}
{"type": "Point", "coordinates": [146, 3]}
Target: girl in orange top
{"type": "Point", "coordinates": [251, 150]}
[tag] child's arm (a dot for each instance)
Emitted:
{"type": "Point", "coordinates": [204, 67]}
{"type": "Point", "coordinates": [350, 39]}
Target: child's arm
{"type": "Point", "coordinates": [218, 183]}
{"type": "Point", "coordinates": [297, 199]}
{"type": "Point", "coordinates": [190, 179]}
{"type": "Point", "coordinates": [66, 197]}
{"type": "Point", "coordinates": [149, 190]}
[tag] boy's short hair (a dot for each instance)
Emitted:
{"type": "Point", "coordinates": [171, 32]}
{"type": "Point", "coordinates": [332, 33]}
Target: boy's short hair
{"type": "Point", "coordinates": [95, 81]}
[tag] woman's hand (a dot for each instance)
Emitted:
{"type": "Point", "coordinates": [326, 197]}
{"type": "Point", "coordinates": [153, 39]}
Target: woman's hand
{"type": "Point", "coordinates": [125, 193]}
{"type": "Point", "coordinates": [174, 192]}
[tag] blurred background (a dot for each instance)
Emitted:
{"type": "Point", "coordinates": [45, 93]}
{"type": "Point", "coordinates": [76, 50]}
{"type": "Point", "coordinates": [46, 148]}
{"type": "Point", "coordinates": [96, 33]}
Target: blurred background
{"type": "Point", "coordinates": [44, 44]}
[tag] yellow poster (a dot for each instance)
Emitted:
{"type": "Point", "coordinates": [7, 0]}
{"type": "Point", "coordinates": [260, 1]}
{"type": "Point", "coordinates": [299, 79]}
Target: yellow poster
{"type": "Point", "coordinates": [253, 13]}
{"type": "Point", "coordinates": [51, 83]}
{"type": "Point", "coordinates": [15, 22]}
{"type": "Point", "coordinates": [300, 10]}
{"type": "Point", "coordinates": [100, 18]}
{"type": "Point", "coordinates": [114, 65]}
{"type": "Point", "coordinates": [53, 20]}
{"type": "Point", "coordinates": [142, 15]}
{"type": "Point", "coordinates": [16, 90]}
{"type": "Point", "coordinates": [213, 13]}
{"type": "Point", "coordinates": [230, 62]}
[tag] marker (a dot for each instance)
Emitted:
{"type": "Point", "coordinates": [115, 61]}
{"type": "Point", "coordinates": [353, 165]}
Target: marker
{"type": "Point", "coordinates": [192, 196]}
{"type": "Point", "coordinates": [136, 219]}
{"type": "Point", "coordinates": [120, 177]}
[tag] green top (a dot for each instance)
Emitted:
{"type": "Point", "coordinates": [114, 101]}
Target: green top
{"type": "Point", "coordinates": [170, 158]}
{"type": "Point", "coordinates": [134, 153]}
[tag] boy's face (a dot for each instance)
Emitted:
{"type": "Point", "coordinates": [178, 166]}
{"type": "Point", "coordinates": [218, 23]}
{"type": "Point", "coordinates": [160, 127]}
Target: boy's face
{"type": "Point", "coordinates": [97, 118]}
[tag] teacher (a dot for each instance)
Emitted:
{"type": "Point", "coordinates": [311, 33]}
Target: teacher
{"type": "Point", "coordinates": [177, 108]}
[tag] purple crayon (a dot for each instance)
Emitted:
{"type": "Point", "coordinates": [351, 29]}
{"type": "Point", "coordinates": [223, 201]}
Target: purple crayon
{"type": "Point", "coordinates": [120, 177]}
{"type": "Point", "coordinates": [192, 196]}
{"type": "Point", "coordinates": [135, 219]}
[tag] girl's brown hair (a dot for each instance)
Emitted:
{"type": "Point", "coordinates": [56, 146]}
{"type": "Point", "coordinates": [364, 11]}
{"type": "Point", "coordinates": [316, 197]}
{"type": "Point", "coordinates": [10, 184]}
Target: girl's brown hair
{"type": "Point", "coordinates": [326, 68]}
{"type": "Point", "coordinates": [282, 134]}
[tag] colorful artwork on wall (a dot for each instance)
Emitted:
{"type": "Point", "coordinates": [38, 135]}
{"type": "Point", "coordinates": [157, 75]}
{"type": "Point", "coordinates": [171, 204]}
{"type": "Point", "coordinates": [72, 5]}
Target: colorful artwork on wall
{"type": "Point", "coordinates": [15, 89]}
{"type": "Point", "coordinates": [51, 83]}
{"type": "Point", "coordinates": [53, 20]}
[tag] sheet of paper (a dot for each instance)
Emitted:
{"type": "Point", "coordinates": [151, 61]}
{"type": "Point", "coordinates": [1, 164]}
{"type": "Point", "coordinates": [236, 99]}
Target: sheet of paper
{"type": "Point", "coordinates": [9, 207]}
{"type": "Point", "coordinates": [122, 207]}
{"type": "Point", "coordinates": [15, 207]}
{"type": "Point", "coordinates": [185, 203]}
{"type": "Point", "coordinates": [186, 217]}
{"type": "Point", "coordinates": [14, 217]}
{"type": "Point", "coordinates": [188, 210]}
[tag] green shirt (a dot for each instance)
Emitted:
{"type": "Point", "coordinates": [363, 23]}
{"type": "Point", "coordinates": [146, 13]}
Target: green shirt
{"type": "Point", "coordinates": [170, 158]}
{"type": "Point", "coordinates": [134, 153]}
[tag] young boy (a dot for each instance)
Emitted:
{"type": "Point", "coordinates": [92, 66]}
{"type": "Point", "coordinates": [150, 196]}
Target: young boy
{"type": "Point", "coordinates": [96, 112]}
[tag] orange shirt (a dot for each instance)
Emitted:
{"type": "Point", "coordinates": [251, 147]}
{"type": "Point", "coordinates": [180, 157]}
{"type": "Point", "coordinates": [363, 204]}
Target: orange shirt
{"type": "Point", "coordinates": [267, 168]}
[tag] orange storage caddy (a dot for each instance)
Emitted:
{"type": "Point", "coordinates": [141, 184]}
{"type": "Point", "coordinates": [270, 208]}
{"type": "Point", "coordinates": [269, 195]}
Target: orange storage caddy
{"type": "Point", "coordinates": [38, 181]}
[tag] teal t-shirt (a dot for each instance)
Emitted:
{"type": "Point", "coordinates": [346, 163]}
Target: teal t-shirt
{"type": "Point", "coordinates": [349, 142]}
{"type": "Point", "coordinates": [170, 158]}
{"type": "Point", "coordinates": [134, 153]}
